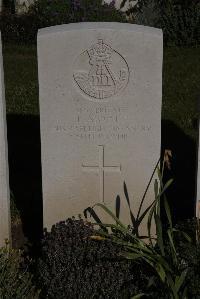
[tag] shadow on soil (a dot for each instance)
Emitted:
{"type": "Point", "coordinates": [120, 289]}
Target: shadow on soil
{"type": "Point", "coordinates": [25, 173]}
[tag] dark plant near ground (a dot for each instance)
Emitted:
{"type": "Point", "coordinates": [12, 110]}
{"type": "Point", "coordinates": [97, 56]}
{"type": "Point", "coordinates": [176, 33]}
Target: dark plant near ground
{"type": "Point", "coordinates": [15, 279]}
{"type": "Point", "coordinates": [189, 255]}
{"type": "Point", "coordinates": [74, 266]}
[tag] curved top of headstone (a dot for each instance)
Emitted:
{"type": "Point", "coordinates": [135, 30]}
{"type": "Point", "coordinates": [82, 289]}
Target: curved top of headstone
{"type": "Point", "coordinates": [99, 25]}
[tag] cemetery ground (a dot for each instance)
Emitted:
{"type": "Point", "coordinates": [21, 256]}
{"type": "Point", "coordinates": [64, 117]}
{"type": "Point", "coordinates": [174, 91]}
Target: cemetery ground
{"type": "Point", "coordinates": [180, 113]}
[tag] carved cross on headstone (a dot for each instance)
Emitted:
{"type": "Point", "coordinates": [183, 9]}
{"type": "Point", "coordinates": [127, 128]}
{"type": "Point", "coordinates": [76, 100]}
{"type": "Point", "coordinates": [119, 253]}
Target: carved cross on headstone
{"type": "Point", "coordinates": [101, 169]}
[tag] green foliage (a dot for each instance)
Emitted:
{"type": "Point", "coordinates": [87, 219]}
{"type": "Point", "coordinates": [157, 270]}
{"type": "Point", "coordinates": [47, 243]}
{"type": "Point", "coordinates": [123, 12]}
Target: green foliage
{"type": "Point", "coordinates": [189, 255]}
{"type": "Point", "coordinates": [136, 219]}
{"type": "Point", "coordinates": [61, 11]}
{"type": "Point", "coordinates": [181, 23]}
{"type": "Point", "coordinates": [180, 20]}
{"type": "Point", "coordinates": [159, 252]}
{"type": "Point", "coordinates": [45, 13]}
{"type": "Point", "coordinates": [15, 280]}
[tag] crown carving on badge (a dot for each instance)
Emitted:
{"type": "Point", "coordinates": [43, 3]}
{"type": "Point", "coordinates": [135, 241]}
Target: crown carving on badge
{"type": "Point", "coordinates": [100, 51]}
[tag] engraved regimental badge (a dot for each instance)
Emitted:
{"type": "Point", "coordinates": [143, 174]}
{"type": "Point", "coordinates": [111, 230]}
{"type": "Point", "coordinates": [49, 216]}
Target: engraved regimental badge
{"type": "Point", "coordinates": [101, 72]}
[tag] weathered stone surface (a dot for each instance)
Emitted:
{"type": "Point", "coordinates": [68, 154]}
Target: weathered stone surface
{"type": "Point", "coordinates": [4, 181]}
{"type": "Point", "coordinates": [100, 89]}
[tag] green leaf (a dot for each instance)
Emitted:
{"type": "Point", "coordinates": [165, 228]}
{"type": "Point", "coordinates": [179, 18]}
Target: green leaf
{"type": "Point", "coordinates": [130, 211]}
{"type": "Point", "coordinates": [151, 281]}
{"type": "Point", "coordinates": [172, 286]}
{"type": "Point", "coordinates": [161, 272]}
{"type": "Point", "coordinates": [172, 244]}
{"type": "Point", "coordinates": [109, 212]}
{"type": "Point", "coordinates": [147, 188]}
{"type": "Point", "coordinates": [149, 221]}
{"type": "Point", "coordinates": [124, 230]}
{"type": "Point", "coordinates": [168, 213]}
{"type": "Point", "coordinates": [159, 234]}
{"type": "Point", "coordinates": [117, 206]}
{"type": "Point", "coordinates": [138, 296]}
{"type": "Point", "coordinates": [168, 183]}
{"type": "Point", "coordinates": [159, 174]}
{"type": "Point", "coordinates": [184, 293]}
{"type": "Point", "coordinates": [180, 280]}
{"type": "Point", "coordinates": [139, 220]}
{"type": "Point", "coordinates": [132, 256]}
{"type": "Point", "coordinates": [185, 235]}
{"type": "Point", "coordinates": [156, 188]}
{"type": "Point", "coordinates": [157, 210]}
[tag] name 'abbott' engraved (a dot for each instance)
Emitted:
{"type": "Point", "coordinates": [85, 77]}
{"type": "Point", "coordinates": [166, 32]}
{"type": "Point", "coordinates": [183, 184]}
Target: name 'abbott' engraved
{"type": "Point", "coordinates": [101, 72]}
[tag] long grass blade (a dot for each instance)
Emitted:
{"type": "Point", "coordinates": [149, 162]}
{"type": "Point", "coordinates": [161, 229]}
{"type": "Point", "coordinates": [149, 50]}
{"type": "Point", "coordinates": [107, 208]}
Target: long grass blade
{"type": "Point", "coordinates": [156, 187]}
{"type": "Point", "coordinates": [147, 188]}
{"type": "Point", "coordinates": [92, 213]}
{"type": "Point", "coordinates": [166, 186]}
{"type": "Point", "coordinates": [117, 206]}
{"type": "Point", "coordinates": [130, 211]}
{"type": "Point", "coordinates": [138, 296]}
{"type": "Point", "coordinates": [125, 231]}
{"type": "Point", "coordinates": [172, 287]}
{"type": "Point", "coordinates": [109, 212]}
{"type": "Point", "coordinates": [180, 280]}
{"type": "Point", "coordinates": [169, 233]}
{"type": "Point", "coordinates": [161, 272]}
{"type": "Point", "coordinates": [159, 234]}
{"type": "Point", "coordinates": [139, 220]}
{"type": "Point", "coordinates": [167, 211]}
{"type": "Point", "coordinates": [159, 177]}
{"type": "Point", "coordinates": [149, 222]}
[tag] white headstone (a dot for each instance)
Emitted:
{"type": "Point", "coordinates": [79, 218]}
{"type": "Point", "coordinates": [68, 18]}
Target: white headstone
{"type": "Point", "coordinates": [100, 89]}
{"type": "Point", "coordinates": [4, 181]}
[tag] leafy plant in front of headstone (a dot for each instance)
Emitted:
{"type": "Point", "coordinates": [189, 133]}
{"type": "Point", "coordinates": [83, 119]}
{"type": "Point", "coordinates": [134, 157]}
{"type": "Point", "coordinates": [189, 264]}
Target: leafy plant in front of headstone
{"type": "Point", "coordinates": [72, 265]}
{"type": "Point", "coordinates": [136, 218]}
{"type": "Point", "coordinates": [15, 279]}
{"type": "Point", "coordinates": [160, 251]}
